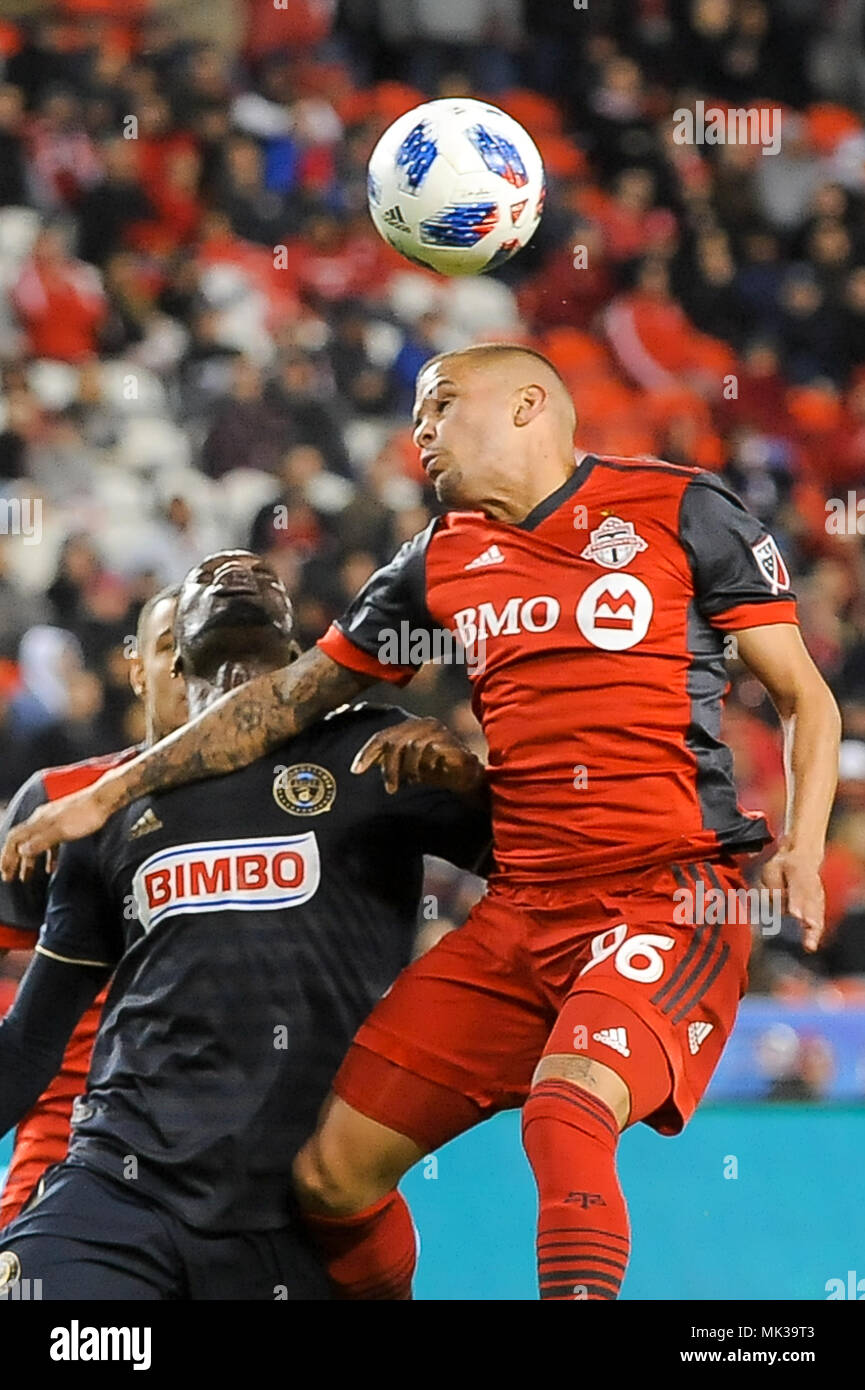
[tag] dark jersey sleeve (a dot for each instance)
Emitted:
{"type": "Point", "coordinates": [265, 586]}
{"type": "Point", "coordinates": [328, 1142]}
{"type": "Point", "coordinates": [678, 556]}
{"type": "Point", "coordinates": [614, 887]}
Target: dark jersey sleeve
{"type": "Point", "coordinates": [375, 634]}
{"type": "Point", "coordinates": [22, 905]}
{"type": "Point", "coordinates": [33, 1036]}
{"type": "Point", "coordinates": [427, 820]}
{"type": "Point", "coordinates": [740, 576]}
{"type": "Point", "coordinates": [83, 924]}
{"type": "Point", "coordinates": [440, 823]}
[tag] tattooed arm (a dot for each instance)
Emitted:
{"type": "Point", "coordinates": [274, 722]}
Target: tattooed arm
{"type": "Point", "coordinates": [238, 728]}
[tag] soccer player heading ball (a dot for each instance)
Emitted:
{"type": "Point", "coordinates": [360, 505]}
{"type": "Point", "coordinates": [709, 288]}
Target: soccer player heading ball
{"type": "Point", "coordinates": [597, 594]}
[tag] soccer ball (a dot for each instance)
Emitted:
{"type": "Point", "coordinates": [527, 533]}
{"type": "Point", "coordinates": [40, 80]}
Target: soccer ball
{"type": "Point", "coordinates": [457, 185]}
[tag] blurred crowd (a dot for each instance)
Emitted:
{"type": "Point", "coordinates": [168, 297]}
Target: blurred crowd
{"type": "Point", "coordinates": [204, 343]}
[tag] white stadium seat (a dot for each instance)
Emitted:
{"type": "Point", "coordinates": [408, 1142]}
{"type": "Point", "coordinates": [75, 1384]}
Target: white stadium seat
{"type": "Point", "coordinates": [151, 444]}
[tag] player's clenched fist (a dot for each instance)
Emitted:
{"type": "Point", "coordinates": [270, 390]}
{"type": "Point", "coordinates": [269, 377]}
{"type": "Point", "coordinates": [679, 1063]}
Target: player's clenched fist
{"type": "Point", "coordinates": [422, 750]}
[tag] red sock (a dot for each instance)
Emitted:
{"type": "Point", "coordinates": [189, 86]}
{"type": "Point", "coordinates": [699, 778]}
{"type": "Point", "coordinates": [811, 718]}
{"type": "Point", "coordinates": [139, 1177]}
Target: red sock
{"type": "Point", "coordinates": [570, 1138]}
{"type": "Point", "coordinates": [370, 1255]}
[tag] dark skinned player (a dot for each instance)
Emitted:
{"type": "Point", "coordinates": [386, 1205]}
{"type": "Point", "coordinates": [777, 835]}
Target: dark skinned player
{"type": "Point", "coordinates": [272, 909]}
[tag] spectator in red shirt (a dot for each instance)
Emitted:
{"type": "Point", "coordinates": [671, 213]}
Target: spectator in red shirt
{"type": "Point", "coordinates": [574, 283]}
{"type": "Point", "coordinates": [333, 262]}
{"type": "Point", "coordinates": [177, 206]}
{"type": "Point", "coordinates": [64, 160]}
{"type": "Point", "coordinates": [627, 218]}
{"type": "Point", "coordinates": [59, 300]}
{"type": "Point", "coordinates": [648, 331]}
{"type": "Point", "coordinates": [156, 141]}
{"type": "Point", "coordinates": [760, 402]}
{"type": "Point", "coordinates": [299, 24]}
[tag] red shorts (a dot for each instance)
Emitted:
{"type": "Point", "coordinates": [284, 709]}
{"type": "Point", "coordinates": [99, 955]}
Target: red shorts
{"type": "Point", "coordinates": [611, 974]}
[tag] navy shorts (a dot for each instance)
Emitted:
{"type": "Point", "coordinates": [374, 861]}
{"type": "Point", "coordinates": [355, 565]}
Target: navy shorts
{"type": "Point", "coordinates": [88, 1237]}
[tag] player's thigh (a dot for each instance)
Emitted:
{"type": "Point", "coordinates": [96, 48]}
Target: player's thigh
{"type": "Point", "coordinates": [648, 983]}
{"type": "Point", "coordinates": [85, 1238]}
{"type": "Point", "coordinates": [456, 1039]}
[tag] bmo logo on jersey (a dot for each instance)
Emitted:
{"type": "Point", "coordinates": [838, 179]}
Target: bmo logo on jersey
{"type": "Point", "coordinates": [615, 611]}
{"type": "Point", "coordinates": [257, 875]}
{"type": "Point", "coordinates": [516, 615]}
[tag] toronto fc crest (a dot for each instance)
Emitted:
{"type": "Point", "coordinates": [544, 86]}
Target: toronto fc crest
{"type": "Point", "coordinates": [613, 544]}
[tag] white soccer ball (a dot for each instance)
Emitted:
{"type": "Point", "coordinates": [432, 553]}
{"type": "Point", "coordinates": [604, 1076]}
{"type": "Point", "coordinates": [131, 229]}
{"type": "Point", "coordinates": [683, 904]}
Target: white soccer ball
{"type": "Point", "coordinates": [457, 185]}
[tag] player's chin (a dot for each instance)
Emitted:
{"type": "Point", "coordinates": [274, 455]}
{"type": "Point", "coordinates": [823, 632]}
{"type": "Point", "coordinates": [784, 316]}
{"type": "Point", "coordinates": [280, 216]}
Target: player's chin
{"type": "Point", "coordinates": [448, 488]}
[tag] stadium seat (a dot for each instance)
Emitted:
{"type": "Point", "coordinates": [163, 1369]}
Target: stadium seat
{"type": "Point", "coordinates": [477, 306]}
{"type": "Point", "coordinates": [413, 294]}
{"type": "Point", "coordinates": [151, 444]}
{"type": "Point", "coordinates": [540, 115]}
{"type": "Point", "coordinates": [19, 228]}
{"type": "Point", "coordinates": [55, 383]}
{"type": "Point", "coordinates": [383, 342]}
{"type": "Point", "coordinates": [242, 493]}
{"type": "Point", "coordinates": [131, 389]}
{"type": "Point", "coordinates": [364, 439]}
{"type": "Point", "coordinates": [194, 487]}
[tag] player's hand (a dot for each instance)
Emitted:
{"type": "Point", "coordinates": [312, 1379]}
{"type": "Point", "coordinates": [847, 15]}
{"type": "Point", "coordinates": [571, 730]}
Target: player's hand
{"type": "Point", "coordinates": [422, 751]}
{"type": "Point", "coordinates": [69, 818]}
{"type": "Point", "coordinates": [796, 875]}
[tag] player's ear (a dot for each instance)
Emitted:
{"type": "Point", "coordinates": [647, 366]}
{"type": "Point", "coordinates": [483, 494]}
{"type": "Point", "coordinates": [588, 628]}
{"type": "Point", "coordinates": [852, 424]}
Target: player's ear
{"type": "Point", "coordinates": [529, 402]}
{"type": "Point", "coordinates": [136, 676]}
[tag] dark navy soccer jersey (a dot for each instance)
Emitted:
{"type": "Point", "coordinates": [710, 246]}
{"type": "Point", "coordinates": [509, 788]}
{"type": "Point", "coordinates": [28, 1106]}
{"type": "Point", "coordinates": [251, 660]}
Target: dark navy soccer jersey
{"type": "Point", "coordinates": [254, 920]}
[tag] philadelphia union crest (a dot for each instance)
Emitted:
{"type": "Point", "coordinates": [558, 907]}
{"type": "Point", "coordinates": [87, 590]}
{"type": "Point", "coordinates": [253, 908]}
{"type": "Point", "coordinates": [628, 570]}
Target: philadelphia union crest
{"type": "Point", "coordinates": [304, 789]}
{"type": "Point", "coordinates": [613, 544]}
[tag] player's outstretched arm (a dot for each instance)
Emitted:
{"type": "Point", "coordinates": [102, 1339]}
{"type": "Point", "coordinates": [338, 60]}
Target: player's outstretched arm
{"type": "Point", "coordinates": [812, 732]}
{"type": "Point", "coordinates": [238, 728]}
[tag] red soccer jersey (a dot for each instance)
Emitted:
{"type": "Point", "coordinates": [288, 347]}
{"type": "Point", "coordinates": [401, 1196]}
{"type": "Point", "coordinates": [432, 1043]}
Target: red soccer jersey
{"type": "Point", "coordinates": [42, 1136]}
{"type": "Point", "coordinates": [594, 637]}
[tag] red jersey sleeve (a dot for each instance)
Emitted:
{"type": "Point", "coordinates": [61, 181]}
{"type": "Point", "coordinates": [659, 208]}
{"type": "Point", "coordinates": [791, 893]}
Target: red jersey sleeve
{"type": "Point", "coordinates": [22, 905]}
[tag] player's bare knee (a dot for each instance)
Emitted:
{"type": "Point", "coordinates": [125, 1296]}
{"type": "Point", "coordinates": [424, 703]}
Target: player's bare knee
{"type": "Point", "coordinates": [590, 1076]}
